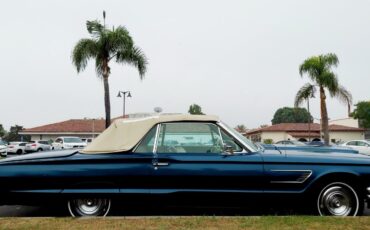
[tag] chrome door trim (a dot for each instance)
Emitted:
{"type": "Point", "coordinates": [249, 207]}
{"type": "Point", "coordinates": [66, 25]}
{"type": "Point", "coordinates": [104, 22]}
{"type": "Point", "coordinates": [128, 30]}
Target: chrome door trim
{"type": "Point", "coordinates": [292, 170]}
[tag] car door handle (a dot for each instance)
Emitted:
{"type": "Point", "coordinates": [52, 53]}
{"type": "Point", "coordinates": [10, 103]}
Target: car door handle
{"type": "Point", "coordinates": [161, 164]}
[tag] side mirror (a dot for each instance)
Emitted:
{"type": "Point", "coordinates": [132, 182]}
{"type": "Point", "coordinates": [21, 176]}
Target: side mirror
{"type": "Point", "coordinates": [228, 150]}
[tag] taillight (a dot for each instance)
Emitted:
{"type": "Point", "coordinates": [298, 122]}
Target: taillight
{"type": "Point", "coordinates": [10, 146]}
{"type": "Point", "coordinates": [33, 145]}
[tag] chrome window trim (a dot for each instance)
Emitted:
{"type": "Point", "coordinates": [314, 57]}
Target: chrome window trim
{"type": "Point", "coordinates": [156, 138]}
{"type": "Point", "coordinates": [244, 145]}
{"type": "Point", "coordinates": [203, 122]}
{"type": "Point", "coordinates": [219, 133]}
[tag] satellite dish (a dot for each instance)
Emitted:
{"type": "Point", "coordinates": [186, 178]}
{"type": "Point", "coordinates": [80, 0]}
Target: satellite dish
{"type": "Point", "coordinates": [158, 109]}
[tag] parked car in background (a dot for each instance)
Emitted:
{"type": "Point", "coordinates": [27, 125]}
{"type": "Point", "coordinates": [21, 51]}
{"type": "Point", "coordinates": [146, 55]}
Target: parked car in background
{"type": "Point", "coordinates": [316, 143]}
{"type": "Point", "coordinates": [37, 146]}
{"type": "Point", "coordinates": [290, 142]}
{"type": "Point", "coordinates": [17, 147]}
{"type": "Point", "coordinates": [87, 140]}
{"type": "Point", "coordinates": [194, 159]}
{"type": "Point", "coordinates": [3, 148]}
{"type": "Point", "coordinates": [68, 143]}
{"type": "Point", "coordinates": [362, 146]}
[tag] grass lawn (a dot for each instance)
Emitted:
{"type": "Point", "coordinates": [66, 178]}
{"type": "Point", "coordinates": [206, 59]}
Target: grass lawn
{"type": "Point", "coordinates": [264, 222]}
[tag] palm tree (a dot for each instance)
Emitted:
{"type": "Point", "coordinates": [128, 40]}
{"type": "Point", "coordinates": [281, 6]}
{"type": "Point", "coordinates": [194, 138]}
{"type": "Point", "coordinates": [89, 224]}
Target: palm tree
{"type": "Point", "coordinates": [106, 45]}
{"type": "Point", "coordinates": [241, 128]}
{"type": "Point", "coordinates": [318, 69]}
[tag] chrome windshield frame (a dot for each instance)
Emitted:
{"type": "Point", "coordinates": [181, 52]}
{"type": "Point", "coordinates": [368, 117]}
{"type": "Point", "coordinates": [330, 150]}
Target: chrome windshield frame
{"type": "Point", "coordinates": [245, 145]}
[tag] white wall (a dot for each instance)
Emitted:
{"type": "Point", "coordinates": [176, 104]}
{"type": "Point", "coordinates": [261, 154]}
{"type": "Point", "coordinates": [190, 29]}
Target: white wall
{"type": "Point", "coordinates": [346, 136]}
{"type": "Point", "coordinates": [275, 136]}
{"type": "Point", "coordinates": [46, 137]}
{"type": "Point", "coordinates": [345, 122]}
{"type": "Point", "coordinates": [338, 136]}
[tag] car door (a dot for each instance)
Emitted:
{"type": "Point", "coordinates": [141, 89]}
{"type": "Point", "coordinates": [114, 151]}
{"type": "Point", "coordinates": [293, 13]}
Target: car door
{"type": "Point", "coordinates": [353, 145]}
{"type": "Point", "coordinates": [190, 157]}
{"type": "Point", "coordinates": [363, 147]}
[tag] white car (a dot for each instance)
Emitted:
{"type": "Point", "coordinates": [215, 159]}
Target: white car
{"type": "Point", "coordinates": [17, 147]}
{"type": "Point", "coordinates": [37, 146]}
{"type": "Point", "coordinates": [362, 146]}
{"type": "Point", "coordinates": [87, 140]}
{"type": "Point", "coordinates": [3, 148]}
{"type": "Point", "coordinates": [68, 143]}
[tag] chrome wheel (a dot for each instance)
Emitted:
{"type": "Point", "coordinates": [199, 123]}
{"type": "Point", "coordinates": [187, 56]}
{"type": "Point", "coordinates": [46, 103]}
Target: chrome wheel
{"type": "Point", "coordinates": [338, 199]}
{"type": "Point", "coordinates": [89, 207]}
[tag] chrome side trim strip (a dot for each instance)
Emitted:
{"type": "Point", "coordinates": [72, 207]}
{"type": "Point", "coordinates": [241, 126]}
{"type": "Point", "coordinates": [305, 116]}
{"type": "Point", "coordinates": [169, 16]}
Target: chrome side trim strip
{"type": "Point", "coordinates": [292, 170]}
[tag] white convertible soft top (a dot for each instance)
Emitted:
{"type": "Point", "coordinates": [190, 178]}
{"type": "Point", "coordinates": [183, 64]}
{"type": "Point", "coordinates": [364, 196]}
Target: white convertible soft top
{"type": "Point", "coordinates": [124, 134]}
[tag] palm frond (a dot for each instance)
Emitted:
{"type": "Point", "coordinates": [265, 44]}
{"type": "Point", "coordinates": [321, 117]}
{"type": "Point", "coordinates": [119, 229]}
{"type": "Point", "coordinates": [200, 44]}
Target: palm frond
{"type": "Point", "coordinates": [330, 60]}
{"type": "Point", "coordinates": [329, 80]}
{"type": "Point", "coordinates": [118, 39]}
{"type": "Point", "coordinates": [343, 95]}
{"type": "Point", "coordinates": [311, 66]}
{"type": "Point", "coordinates": [95, 28]}
{"type": "Point", "coordinates": [135, 57]}
{"type": "Point", "coordinates": [306, 92]}
{"type": "Point", "coordinates": [82, 52]}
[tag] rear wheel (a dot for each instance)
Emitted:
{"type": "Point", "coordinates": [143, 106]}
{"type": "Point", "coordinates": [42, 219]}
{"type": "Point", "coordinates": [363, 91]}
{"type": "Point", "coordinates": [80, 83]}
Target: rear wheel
{"type": "Point", "coordinates": [89, 207]}
{"type": "Point", "coordinates": [339, 199]}
{"type": "Point", "coordinates": [19, 151]}
{"type": "Point", "coordinates": [39, 150]}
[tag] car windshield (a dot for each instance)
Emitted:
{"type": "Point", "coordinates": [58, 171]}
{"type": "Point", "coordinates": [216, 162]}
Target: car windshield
{"type": "Point", "coordinates": [72, 140]}
{"type": "Point", "coordinates": [2, 142]}
{"type": "Point", "coordinates": [246, 141]}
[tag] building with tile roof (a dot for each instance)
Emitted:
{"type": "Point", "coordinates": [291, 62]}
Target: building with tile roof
{"type": "Point", "coordinates": [304, 132]}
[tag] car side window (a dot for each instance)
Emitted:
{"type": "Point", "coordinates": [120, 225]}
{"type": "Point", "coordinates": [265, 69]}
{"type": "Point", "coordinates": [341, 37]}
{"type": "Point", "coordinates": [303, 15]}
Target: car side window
{"type": "Point", "coordinates": [22, 144]}
{"type": "Point", "coordinates": [360, 143]}
{"type": "Point", "coordinates": [147, 143]}
{"type": "Point", "coordinates": [353, 143]}
{"type": "Point", "coordinates": [189, 137]}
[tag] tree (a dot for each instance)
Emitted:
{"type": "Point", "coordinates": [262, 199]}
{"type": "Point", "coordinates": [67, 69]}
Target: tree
{"type": "Point", "coordinates": [13, 135]}
{"type": "Point", "coordinates": [105, 46]}
{"type": "Point", "coordinates": [291, 115]}
{"type": "Point", "coordinates": [195, 109]}
{"type": "Point", "coordinates": [362, 113]}
{"type": "Point", "coordinates": [2, 131]}
{"type": "Point", "coordinates": [318, 69]}
{"type": "Point", "coordinates": [241, 128]}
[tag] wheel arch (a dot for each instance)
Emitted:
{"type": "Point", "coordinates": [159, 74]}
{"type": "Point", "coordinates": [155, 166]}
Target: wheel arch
{"type": "Point", "coordinates": [351, 178]}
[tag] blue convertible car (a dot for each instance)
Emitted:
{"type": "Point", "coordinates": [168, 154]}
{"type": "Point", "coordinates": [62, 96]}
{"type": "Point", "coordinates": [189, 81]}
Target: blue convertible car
{"type": "Point", "coordinates": [187, 156]}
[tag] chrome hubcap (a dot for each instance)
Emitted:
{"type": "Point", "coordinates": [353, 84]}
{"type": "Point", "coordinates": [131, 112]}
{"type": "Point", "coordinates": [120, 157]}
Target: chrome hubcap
{"type": "Point", "coordinates": [338, 200]}
{"type": "Point", "coordinates": [89, 207]}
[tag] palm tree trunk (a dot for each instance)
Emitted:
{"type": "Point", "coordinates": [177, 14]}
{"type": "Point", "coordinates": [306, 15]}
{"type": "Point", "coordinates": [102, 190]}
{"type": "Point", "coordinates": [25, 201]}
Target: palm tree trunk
{"type": "Point", "coordinates": [324, 116]}
{"type": "Point", "coordinates": [106, 101]}
{"type": "Point", "coordinates": [106, 93]}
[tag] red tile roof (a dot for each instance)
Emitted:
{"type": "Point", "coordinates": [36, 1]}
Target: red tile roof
{"type": "Point", "coordinates": [304, 134]}
{"type": "Point", "coordinates": [73, 125]}
{"type": "Point", "coordinates": [302, 127]}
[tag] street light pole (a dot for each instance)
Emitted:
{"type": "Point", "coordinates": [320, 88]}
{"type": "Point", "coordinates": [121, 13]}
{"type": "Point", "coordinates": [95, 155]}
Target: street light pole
{"type": "Point", "coordinates": [309, 120]}
{"type": "Point", "coordinates": [123, 94]}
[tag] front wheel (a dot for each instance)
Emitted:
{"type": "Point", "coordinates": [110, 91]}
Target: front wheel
{"type": "Point", "coordinates": [339, 199]}
{"type": "Point", "coordinates": [89, 207]}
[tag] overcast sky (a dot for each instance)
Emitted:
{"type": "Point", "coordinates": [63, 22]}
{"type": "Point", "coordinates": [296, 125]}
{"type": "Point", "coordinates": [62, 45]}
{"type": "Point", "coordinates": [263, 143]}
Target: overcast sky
{"type": "Point", "coordinates": [237, 59]}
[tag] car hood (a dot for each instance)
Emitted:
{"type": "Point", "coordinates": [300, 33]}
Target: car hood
{"type": "Point", "coordinates": [316, 157]}
{"type": "Point", "coordinates": [40, 156]}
